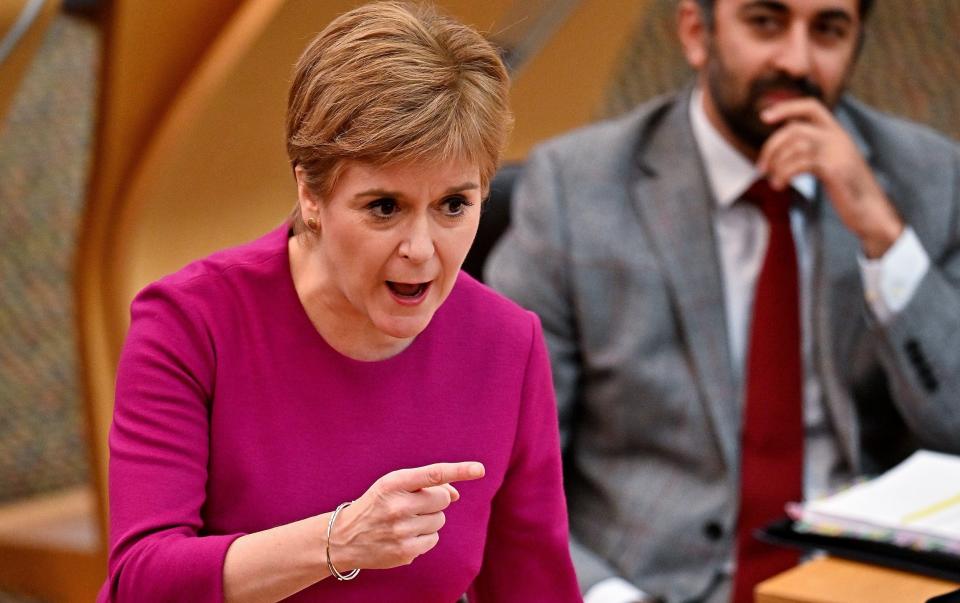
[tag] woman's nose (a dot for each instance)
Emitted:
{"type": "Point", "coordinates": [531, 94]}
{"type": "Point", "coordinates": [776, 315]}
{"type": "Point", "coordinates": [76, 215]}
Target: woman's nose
{"type": "Point", "coordinates": [417, 245]}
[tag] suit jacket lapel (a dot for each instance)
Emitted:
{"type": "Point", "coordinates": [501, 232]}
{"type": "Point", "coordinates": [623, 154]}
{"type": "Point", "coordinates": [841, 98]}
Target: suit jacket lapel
{"type": "Point", "coordinates": [675, 206]}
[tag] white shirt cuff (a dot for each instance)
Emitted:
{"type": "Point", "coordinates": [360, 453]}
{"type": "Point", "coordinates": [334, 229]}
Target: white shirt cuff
{"type": "Point", "coordinates": [614, 590]}
{"type": "Point", "coordinates": [891, 280]}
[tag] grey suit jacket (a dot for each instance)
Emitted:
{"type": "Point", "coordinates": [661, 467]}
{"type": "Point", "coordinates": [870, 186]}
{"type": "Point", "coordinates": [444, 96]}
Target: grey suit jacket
{"type": "Point", "coordinates": [612, 244]}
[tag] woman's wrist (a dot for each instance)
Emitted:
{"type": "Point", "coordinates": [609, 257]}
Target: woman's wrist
{"type": "Point", "coordinates": [314, 529]}
{"type": "Point", "coordinates": [351, 573]}
{"type": "Point", "coordinates": [337, 551]}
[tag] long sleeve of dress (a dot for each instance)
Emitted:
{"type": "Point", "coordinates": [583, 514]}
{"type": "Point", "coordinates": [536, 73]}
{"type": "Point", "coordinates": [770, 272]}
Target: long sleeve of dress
{"type": "Point", "coordinates": [159, 448]}
{"type": "Point", "coordinates": [527, 557]}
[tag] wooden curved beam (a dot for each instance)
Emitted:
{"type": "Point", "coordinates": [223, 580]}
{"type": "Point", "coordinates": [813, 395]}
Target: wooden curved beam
{"type": "Point", "coordinates": [138, 83]}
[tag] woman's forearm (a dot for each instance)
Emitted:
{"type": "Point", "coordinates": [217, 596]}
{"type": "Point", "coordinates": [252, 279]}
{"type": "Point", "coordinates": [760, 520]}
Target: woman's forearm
{"type": "Point", "coordinates": [395, 521]}
{"type": "Point", "coordinates": [271, 565]}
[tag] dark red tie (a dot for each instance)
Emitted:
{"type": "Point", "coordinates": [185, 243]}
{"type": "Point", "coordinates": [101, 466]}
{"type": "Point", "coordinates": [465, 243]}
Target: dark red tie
{"type": "Point", "coordinates": [771, 471]}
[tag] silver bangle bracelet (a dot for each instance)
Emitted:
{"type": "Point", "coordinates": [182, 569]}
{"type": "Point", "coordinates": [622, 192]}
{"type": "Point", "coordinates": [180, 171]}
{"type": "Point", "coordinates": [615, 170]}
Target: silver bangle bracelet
{"type": "Point", "coordinates": [333, 571]}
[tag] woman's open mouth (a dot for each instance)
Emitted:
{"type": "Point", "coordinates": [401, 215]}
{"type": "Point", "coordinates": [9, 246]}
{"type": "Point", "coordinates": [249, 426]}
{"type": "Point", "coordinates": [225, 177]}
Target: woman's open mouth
{"type": "Point", "coordinates": [408, 293]}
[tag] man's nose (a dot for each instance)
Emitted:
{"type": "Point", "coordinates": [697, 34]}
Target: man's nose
{"type": "Point", "coordinates": [794, 54]}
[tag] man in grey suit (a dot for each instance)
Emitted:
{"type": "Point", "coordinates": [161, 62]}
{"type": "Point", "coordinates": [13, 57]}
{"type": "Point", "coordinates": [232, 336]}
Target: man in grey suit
{"type": "Point", "coordinates": [632, 241]}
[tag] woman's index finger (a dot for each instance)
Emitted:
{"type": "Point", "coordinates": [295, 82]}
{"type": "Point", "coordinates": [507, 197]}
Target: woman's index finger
{"type": "Point", "coordinates": [436, 474]}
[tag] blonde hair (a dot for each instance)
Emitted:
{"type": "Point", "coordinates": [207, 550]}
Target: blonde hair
{"type": "Point", "coordinates": [393, 82]}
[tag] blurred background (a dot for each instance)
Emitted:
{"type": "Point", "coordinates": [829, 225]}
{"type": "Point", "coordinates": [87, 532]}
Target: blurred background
{"type": "Point", "coordinates": [135, 136]}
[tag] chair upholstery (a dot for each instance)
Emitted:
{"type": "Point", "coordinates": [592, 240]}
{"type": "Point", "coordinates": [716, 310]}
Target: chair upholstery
{"type": "Point", "coordinates": [22, 27]}
{"type": "Point", "coordinates": [49, 537]}
{"type": "Point", "coordinates": [494, 219]}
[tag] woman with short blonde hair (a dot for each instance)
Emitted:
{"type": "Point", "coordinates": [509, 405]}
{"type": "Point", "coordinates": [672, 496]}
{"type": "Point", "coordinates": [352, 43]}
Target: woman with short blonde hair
{"type": "Point", "coordinates": [391, 83]}
{"type": "Point", "coordinates": [335, 412]}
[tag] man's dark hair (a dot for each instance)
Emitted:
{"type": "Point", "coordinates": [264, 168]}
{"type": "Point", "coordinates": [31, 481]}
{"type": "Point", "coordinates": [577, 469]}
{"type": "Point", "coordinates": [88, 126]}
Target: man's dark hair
{"type": "Point", "coordinates": [707, 7]}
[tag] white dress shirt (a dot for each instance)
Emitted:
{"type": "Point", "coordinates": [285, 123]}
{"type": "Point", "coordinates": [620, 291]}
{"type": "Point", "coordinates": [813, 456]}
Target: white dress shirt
{"type": "Point", "coordinates": [742, 233]}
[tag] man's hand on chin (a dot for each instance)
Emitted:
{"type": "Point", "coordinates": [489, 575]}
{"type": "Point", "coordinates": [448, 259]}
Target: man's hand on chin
{"type": "Point", "coordinates": [812, 140]}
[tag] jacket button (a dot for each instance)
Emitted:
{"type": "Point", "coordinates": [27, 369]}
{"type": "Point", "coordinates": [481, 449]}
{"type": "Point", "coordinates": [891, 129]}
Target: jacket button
{"type": "Point", "coordinates": [713, 530]}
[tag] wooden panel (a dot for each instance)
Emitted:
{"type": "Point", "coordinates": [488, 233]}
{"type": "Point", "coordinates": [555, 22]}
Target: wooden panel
{"type": "Point", "coordinates": [832, 580]}
{"type": "Point", "coordinates": [216, 173]}
{"type": "Point", "coordinates": [63, 576]}
{"type": "Point", "coordinates": [485, 16]}
{"type": "Point", "coordinates": [563, 87]}
{"type": "Point", "coordinates": [61, 519]}
{"type": "Point", "coordinates": [150, 50]}
{"type": "Point", "coordinates": [50, 547]}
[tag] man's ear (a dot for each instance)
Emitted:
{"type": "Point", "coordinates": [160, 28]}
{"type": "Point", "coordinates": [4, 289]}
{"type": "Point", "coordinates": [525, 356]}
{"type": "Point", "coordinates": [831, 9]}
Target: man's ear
{"type": "Point", "coordinates": [694, 32]}
{"type": "Point", "coordinates": [309, 203]}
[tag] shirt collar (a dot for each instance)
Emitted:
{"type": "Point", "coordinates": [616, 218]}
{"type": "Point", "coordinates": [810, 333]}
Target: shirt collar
{"type": "Point", "coordinates": [729, 173]}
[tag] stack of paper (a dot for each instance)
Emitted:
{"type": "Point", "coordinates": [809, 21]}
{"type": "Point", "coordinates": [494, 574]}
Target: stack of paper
{"type": "Point", "coordinates": [916, 504]}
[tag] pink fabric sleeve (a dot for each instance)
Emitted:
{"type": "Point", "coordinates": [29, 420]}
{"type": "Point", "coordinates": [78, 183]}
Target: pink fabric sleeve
{"type": "Point", "coordinates": [527, 554]}
{"type": "Point", "coordinates": [159, 448]}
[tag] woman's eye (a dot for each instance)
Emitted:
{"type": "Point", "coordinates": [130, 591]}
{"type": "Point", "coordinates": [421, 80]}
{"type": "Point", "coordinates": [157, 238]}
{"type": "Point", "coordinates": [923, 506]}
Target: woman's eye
{"type": "Point", "coordinates": [383, 208]}
{"type": "Point", "coordinates": [456, 206]}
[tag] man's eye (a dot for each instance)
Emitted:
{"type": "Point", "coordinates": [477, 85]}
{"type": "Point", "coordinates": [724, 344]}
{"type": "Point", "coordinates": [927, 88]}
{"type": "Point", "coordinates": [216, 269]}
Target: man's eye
{"type": "Point", "coordinates": [764, 23]}
{"type": "Point", "coordinates": [456, 206]}
{"type": "Point", "coordinates": [831, 30]}
{"type": "Point", "coordinates": [383, 208]}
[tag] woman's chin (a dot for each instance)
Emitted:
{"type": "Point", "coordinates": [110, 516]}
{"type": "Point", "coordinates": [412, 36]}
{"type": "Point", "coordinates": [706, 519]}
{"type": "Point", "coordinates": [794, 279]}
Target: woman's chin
{"type": "Point", "coordinates": [405, 327]}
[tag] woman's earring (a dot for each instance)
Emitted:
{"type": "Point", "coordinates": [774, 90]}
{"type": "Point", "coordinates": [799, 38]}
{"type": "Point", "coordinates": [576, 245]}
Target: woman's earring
{"type": "Point", "coordinates": [312, 224]}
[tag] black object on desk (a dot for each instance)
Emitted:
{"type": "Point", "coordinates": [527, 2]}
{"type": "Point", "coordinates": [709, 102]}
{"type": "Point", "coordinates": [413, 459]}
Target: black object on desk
{"type": "Point", "coordinates": [950, 597]}
{"type": "Point", "coordinates": [937, 565]}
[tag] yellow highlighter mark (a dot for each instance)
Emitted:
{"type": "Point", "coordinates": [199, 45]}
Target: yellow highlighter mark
{"type": "Point", "coordinates": [931, 509]}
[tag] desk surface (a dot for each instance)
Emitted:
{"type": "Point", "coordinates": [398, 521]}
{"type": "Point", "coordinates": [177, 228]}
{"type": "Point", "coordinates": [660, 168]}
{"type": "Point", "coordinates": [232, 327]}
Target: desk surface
{"type": "Point", "coordinates": [833, 580]}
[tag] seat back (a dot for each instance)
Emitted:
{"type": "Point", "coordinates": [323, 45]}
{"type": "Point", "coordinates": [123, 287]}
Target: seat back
{"type": "Point", "coordinates": [494, 219]}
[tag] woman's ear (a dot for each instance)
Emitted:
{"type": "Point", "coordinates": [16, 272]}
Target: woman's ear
{"type": "Point", "coordinates": [693, 31]}
{"type": "Point", "coordinates": [309, 203]}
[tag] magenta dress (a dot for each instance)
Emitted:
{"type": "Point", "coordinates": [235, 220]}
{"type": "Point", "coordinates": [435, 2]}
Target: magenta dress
{"type": "Point", "coordinates": [233, 415]}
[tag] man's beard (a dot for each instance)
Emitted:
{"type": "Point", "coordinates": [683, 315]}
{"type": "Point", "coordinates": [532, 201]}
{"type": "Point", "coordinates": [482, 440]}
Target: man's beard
{"type": "Point", "coordinates": [742, 116]}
